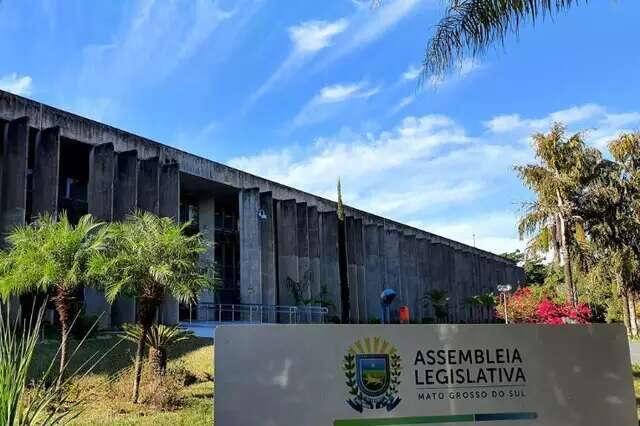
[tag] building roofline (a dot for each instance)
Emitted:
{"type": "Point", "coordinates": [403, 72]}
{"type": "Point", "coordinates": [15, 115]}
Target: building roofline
{"type": "Point", "coordinates": [74, 126]}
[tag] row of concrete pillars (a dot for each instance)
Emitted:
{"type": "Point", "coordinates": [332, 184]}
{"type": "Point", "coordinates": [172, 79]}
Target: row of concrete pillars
{"type": "Point", "coordinates": [284, 242]}
{"type": "Point", "coordinates": [118, 184]}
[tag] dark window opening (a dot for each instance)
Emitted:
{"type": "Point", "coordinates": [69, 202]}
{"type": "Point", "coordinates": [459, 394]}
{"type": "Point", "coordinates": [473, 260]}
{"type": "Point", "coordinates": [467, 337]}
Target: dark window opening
{"type": "Point", "coordinates": [74, 178]}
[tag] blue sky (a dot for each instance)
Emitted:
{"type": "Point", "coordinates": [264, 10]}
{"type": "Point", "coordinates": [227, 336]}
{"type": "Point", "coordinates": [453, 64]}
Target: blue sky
{"type": "Point", "coordinates": [304, 92]}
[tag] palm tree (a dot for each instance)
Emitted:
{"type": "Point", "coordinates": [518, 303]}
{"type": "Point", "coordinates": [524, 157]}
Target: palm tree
{"type": "Point", "coordinates": [159, 338]}
{"type": "Point", "coordinates": [470, 27]}
{"type": "Point", "coordinates": [439, 301]}
{"type": "Point", "coordinates": [149, 257]}
{"type": "Point", "coordinates": [565, 168]}
{"type": "Point", "coordinates": [613, 221]}
{"type": "Point", "coordinates": [51, 255]}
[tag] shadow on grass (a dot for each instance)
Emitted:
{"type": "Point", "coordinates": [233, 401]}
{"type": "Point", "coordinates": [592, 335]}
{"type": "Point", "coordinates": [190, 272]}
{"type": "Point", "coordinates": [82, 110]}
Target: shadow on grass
{"type": "Point", "coordinates": [120, 357]}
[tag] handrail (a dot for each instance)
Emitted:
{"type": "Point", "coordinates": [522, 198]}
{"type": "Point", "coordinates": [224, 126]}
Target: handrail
{"type": "Point", "coordinates": [257, 313]}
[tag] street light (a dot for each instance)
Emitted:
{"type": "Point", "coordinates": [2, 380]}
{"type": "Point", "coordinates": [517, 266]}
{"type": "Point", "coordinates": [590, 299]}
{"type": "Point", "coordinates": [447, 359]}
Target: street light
{"type": "Point", "coordinates": [504, 289]}
{"type": "Point", "coordinates": [386, 298]}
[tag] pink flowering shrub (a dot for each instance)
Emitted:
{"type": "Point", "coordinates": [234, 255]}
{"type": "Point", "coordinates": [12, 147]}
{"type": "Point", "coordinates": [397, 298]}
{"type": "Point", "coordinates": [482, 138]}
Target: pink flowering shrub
{"type": "Point", "coordinates": [527, 306]}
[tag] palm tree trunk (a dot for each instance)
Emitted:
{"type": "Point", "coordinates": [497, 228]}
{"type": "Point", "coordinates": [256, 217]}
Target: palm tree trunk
{"type": "Point", "coordinates": [62, 302]}
{"type": "Point", "coordinates": [568, 273]}
{"type": "Point", "coordinates": [625, 308]}
{"type": "Point", "coordinates": [146, 316]}
{"type": "Point", "coordinates": [633, 317]}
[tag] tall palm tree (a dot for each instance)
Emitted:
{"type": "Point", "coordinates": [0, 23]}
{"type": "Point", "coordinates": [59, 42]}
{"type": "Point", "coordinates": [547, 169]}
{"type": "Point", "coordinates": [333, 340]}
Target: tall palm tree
{"type": "Point", "coordinates": [565, 168]}
{"type": "Point", "coordinates": [470, 27]}
{"type": "Point", "coordinates": [149, 257]}
{"type": "Point", "coordinates": [51, 255]}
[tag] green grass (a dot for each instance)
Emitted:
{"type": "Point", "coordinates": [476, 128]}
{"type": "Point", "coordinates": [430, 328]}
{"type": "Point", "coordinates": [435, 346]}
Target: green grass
{"type": "Point", "coordinates": [109, 405]}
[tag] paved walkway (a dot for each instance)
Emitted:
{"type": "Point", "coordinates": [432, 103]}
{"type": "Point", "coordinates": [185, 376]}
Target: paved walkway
{"type": "Point", "coordinates": [635, 352]}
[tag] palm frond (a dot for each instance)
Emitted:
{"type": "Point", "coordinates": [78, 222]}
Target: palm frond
{"type": "Point", "coordinates": [470, 27]}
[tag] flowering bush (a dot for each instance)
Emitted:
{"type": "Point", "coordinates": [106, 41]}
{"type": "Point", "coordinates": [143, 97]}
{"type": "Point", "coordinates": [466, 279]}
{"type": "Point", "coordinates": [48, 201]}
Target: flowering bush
{"type": "Point", "coordinates": [527, 306]}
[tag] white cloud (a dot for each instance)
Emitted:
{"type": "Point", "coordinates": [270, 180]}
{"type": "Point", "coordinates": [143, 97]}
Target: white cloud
{"type": "Point", "coordinates": [624, 119]}
{"type": "Point", "coordinates": [461, 71]}
{"type": "Point", "coordinates": [377, 22]}
{"type": "Point", "coordinates": [307, 39]}
{"type": "Point", "coordinates": [16, 84]}
{"type": "Point", "coordinates": [403, 103]}
{"type": "Point", "coordinates": [412, 73]}
{"type": "Point", "coordinates": [428, 171]}
{"type": "Point", "coordinates": [153, 41]}
{"type": "Point", "coordinates": [323, 105]}
{"type": "Point", "coordinates": [572, 115]}
{"type": "Point", "coordinates": [337, 38]}
{"type": "Point", "coordinates": [312, 36]}
{"type": "Point", "coordinates": [493, 231]}
{"type": "Point", "coordinates": [424, 167]}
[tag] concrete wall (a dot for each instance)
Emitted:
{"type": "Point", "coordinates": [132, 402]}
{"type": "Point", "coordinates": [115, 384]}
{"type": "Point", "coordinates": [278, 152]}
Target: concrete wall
{"type": "Point", "coordinates": [100, 204]}
{"type": "Point", "coordinates": [46, 170]}
{"type": "Point", "coordinates": [268, 250]}
{"type": "Point", "coordinates": [287, 240]}
{"type": "Point", "coordinates": [250, 247]}
{"type": "Point", "coordinates": [329, 267]}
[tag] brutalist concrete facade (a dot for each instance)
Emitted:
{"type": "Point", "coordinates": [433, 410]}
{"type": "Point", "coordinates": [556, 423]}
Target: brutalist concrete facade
{"type": "Point", "coordinates": [267, 235]}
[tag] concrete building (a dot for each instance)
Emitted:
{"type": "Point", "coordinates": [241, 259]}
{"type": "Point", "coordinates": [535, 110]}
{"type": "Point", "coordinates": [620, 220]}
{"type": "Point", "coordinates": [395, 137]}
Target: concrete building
{"type": "Point", "coordinates": [266, 234]}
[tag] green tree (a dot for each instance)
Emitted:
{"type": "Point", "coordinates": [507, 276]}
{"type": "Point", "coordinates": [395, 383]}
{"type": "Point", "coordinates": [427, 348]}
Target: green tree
{"type": "Point", "coordinates": [565, 168]}
{"type": "Point", "coordinates": [439, 302]}
{"type": "Point", "coordinates": [150, 257]}
{"type": "Point", "coordinates": [52, 255]}
{"type": "Point", "coordinates": [613, 223]}
{"type": "Point", "coordinates": [159, 338]}
{"type": "Point", "coordinates": [342, 254]}
{"type": "Point", "coordinates": [470, 27]}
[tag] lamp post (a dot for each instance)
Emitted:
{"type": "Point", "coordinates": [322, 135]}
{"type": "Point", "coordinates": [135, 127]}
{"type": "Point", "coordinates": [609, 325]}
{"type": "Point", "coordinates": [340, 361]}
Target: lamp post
{"type": "Point", "coordinates": [504, 290]}
{"type": "Point", "coordinates": [386, 297]}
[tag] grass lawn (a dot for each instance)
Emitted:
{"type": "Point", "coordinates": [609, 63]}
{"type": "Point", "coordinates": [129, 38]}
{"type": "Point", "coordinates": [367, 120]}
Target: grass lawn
{"type": "Point", "coordinates": [109, 405]}
{"type": "Point", "coordinates": [636, 385]}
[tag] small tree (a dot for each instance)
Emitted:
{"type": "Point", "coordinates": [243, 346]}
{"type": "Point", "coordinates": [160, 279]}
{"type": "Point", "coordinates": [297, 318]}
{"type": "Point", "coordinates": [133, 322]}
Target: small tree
{"type": "Point", "coordinates": [159, 338]}
{"type": "Point", "coordinates": [51, 255]}
{"type": "Point", "coordinates": [149, 256]}
{"type": "Point", "coordinates": [439, 301]}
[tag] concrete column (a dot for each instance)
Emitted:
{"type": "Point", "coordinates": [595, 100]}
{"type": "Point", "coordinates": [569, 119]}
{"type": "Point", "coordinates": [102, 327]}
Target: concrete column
{"type": "Point", "coordinates": [423, 278]}
{"type": "Point", "coordinates": [169, 196]}
{"type": "Point", "coordinates": [125, 197]}
{"type": "Point", "coordinates": [250, 246]}
{"type": "Point", "coordinates": [352, 268]}
{"type": "Point", "coordinates": [287, 222]}
{"type": "Point", "coordinates": [268, 250]}
{"type": "Point", "coordinates": [13, 191]}
{"type": "Point", "coordinates": [148, 185]}
{"type": "Point", "coordinates": [207, 210]}
{"type": "Point", "coordinates": [392, 260]}
{"type": "Point", "coordinates": [169, 206]}
{"type": "Point", "coordinates": [46, 172]}
{"type": "Point", "coordinates": [409, 272]}
{"type": "Point", "coordinates": [361, 272]}
{"type": "Point", "coordinates": [374, 270]}
{"type": "Point", "coordinates": [100, 204]}
{"type": "Point", "coordinates": [125, 194]}
{"type": "Point", "coordinates": [329, 266]}
{"type": "Point", "coordinates": [382, 256]}
{"type": "Point", "coordinates": [314, 251]}
{"type": "Point", "coordinates": [304, 264]}
{"type": "Point", "coordinates": [101, 176]}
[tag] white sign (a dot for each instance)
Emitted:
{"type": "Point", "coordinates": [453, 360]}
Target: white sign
{"type": "Point", "coordinates": [325, 375]}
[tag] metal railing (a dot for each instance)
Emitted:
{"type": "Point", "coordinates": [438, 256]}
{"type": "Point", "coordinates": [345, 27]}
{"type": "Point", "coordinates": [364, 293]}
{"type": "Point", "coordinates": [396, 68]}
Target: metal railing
{"type": "Point", "coordinates": [258, 314]}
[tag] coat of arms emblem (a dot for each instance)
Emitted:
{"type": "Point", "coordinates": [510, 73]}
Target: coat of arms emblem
{"type": "Point", "coordinates": [372, 369]}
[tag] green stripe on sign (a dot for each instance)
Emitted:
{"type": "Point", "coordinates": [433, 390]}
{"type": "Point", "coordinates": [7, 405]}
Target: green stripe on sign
{"type": "Point", "coordinates": [405, 420]}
